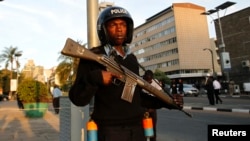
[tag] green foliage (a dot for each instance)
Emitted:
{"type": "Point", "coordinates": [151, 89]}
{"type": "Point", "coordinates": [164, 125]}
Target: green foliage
{"type": "Point", "coordinates": [66, 69]}
{"type": "Point", "coordinates": [161, 76]}
{"type": "Point", "coordinates": [33, 91]}
{"type": "Point", "coordinates": [8, 56]}
{"type": "Point", "coordinates": [5, 80]}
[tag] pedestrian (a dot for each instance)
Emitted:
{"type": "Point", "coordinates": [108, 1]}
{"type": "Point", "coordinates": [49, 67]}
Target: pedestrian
{"type": "Point", "coordinates": [231, 87]}
{"type": "Point", "coordinates": [116, 119]}
{"type": "Point", "coordinates": [19, 102]}
{"type": "Point", "coordinates": [148, 76]}
{"type": "Point", "coordinates": [217, 87]}
{"type": "Point", "coordinates": [180, 86]}
{"type": "Point", "coordinates": [210, 89]}
{"type": "Point", "coordinates": [173, 86]}
{"type": "Point", "coordinates": [56, 93]}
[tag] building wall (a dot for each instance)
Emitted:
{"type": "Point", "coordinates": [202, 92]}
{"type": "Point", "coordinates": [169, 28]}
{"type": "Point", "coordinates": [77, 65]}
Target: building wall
{"type": "Point", "coordinates": [192, 36]}
{"type": "Point", "coordinates": [30, 70]}
{"type": "Point", "coordinates": [236, 35]}
{"type": "Point", "coordinates": [216, 56]}
{"type": "Point", "coordinates": [173, 41]}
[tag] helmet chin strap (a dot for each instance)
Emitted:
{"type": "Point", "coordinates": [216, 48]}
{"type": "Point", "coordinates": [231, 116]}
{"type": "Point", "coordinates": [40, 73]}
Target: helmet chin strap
{"type": "Point", "coordinates": [108, 41]}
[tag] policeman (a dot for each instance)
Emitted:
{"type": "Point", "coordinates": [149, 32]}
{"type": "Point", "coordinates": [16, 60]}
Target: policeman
{"type": "Point", "coordinates": [116, 118]}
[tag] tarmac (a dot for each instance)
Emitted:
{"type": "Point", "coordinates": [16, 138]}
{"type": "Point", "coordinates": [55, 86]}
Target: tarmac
{"type": "Point", "coordinates": [15, 126]}
{"type": "Point", "coordinates": [236, 107]}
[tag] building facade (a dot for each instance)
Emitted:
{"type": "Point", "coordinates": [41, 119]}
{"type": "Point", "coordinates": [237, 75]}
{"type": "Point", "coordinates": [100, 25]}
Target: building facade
{"type": "Point", "coordinates": [174, 40]}
{"type": "Point", "coordinates": [32, 71]}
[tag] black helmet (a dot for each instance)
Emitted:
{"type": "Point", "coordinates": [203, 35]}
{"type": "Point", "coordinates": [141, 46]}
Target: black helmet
{"type": "Point", "coordinates": [111, 13]}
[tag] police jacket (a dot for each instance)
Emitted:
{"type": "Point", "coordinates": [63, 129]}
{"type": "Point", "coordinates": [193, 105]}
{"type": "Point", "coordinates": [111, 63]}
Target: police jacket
{"type": "Point", "coordinates": [109, 108]}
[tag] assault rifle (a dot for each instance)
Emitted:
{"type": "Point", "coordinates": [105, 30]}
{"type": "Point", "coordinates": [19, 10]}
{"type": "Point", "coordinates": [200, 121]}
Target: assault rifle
{"type": "Point", "coordinates": [130, 79]}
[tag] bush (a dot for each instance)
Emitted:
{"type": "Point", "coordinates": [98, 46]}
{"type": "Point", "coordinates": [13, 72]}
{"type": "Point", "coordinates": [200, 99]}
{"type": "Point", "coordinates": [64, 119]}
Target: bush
{"type": "Point", "coordinates": [33, 91]}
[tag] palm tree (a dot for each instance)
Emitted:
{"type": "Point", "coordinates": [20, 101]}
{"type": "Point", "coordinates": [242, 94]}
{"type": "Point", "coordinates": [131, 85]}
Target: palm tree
{"type": "Point", "coordinates": [66, 70]}
{"type": "Point", "coordinates": [8, 56]}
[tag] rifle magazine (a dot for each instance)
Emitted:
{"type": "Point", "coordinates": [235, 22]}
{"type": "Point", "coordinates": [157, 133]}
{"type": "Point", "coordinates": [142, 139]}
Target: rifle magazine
{"type": "Point", "coordinates": [128, 90]}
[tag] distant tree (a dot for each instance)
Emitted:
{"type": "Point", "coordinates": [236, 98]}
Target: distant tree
{"type": "Point", "coordinates": [1, 79]}
{"type": "Point", "coordinates": [66, 70]}
{"type": "Point", "coordinates": [8, 57]}
{"type": "Point", "coordinates": [161, 76]}
{"type": "Point", "coordinates": [5, 81]}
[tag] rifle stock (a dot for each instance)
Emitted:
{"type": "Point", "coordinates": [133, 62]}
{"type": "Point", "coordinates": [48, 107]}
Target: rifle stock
{"type": "Point", "coordinates": [74, 49]}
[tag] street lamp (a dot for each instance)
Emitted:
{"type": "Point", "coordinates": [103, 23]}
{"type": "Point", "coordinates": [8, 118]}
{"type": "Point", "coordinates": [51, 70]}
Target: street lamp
{"type": "Point", "coordinates": [224, 55]}
{"type": "Point", "coordinates": [212, 55]}
{"type": "Point", "coordinates": [17, 67]}
{"type": "Point", "coordinates": [217, 9]}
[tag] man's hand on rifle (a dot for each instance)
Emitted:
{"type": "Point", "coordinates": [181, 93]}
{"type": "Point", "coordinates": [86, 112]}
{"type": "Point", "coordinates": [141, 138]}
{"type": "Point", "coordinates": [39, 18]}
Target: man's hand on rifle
{"type": "Point", "coordinates": [178, 99]}
{"type": "Point", "coordinates": [108, 77]}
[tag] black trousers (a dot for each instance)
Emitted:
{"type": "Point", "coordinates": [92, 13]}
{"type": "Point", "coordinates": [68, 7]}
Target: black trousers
{"type": "Point", "coordinates": [217, 98]}
{"type": "Point", "coordinates": [56, 104]}
{"type": "Point", "coordinates": [20, 104]}
{"type": "Point", "coordinates": [210, 96]}
{"type": "Point", "coordinates": [121, 133]}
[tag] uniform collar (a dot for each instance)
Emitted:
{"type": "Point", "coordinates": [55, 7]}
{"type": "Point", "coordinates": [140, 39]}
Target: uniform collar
{"type": "Point", "coordinates": [108, 49]}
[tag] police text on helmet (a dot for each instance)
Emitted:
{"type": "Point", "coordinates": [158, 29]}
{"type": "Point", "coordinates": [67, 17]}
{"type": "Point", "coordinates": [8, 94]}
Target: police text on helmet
{"type": "Point", "coordinates": [115, 11]}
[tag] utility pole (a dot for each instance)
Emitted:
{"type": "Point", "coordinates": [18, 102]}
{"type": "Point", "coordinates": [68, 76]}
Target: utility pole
{"type": "Point", "coordinates": [17, 55]}
{"type": "Point", "coordinates": [212, 55]}
{"type": "Point", "coordinates": [80, 115]}
{"type": "Point", "coordinates": [92, 14]}
{"type": "Point", "coordinates": [225, 59]}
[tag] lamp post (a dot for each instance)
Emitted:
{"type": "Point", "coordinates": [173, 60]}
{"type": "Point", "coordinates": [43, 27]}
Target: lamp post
{"type": "Point", "coordinates": [212, 55]}
{"type": "Point", "coordinates": [225, 56]}
{"type": "Point", "coordinates": [17, 67]}
{"type": "Point", "coordinates": [217, 9]}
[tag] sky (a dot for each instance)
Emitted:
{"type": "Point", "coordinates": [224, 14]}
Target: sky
{"type": "Point", "coordinates": [40, 28]}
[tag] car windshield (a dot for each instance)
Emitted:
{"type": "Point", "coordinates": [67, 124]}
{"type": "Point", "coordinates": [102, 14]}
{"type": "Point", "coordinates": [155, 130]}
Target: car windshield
{"type": "Point", "coordinates": [187, 86]}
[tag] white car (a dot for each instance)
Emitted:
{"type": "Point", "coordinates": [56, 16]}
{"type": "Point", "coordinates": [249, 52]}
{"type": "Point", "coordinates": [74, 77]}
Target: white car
{"type": "Point", "coordinates": [190, 90]}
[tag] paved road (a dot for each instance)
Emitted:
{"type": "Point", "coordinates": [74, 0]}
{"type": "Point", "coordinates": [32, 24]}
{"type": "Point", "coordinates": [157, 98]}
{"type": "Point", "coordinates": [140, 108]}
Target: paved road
{"type": "Point", "coordinates": [14, 126]}
{"type": "Point", "coordinates": [236, 103]}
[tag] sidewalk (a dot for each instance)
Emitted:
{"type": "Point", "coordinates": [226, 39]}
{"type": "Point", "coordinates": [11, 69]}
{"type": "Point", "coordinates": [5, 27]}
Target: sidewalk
{"type": "Point", "coordinates": [14, 126]}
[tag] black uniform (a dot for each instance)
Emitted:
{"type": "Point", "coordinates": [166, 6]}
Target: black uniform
{"type": "Point", "coordinates": [210, 90]}
{"type": "Point", "coordinates": [110, 111]}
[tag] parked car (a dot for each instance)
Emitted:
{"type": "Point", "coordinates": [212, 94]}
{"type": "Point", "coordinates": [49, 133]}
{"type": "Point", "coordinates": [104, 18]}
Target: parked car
{"type": "Point", "coordinates": [167, 88]}
{"type": "Point", "coordinates": [189, 90]}
{"type": "Point", "coordinates": [4, 97]}
{"type": "Point", "coordinates": [203, 91]}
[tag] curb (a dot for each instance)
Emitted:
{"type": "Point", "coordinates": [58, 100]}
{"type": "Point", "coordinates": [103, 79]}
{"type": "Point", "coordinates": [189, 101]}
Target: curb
{"type": "Point", "coordinates": [246, 111]}
{"type": "Point", "coordinates": [232, 96]}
